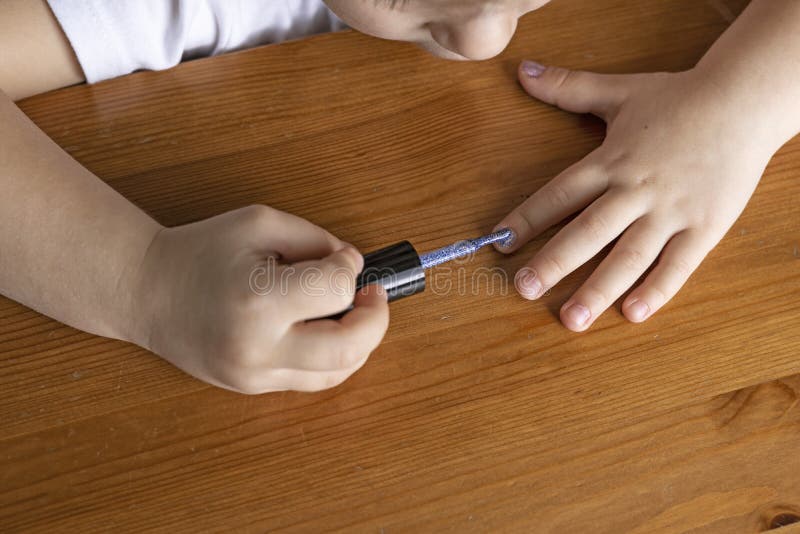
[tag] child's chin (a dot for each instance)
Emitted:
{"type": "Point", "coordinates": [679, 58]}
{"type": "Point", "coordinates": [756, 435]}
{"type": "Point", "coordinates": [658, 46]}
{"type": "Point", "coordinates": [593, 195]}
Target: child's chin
{"type": "Point", "coordinates": [439, 51]}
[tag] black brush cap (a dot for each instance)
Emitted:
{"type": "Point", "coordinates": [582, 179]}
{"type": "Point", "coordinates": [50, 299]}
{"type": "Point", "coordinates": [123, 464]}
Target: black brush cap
{"type": "Point", "coordinates": [397, 268]}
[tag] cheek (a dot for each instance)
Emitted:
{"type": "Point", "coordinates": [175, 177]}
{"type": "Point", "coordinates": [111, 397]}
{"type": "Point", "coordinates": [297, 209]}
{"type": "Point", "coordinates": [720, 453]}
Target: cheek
{"type": "Point", "coordinates": [377, 21]}
{"type": "Point", "coordinates": [392, 30]}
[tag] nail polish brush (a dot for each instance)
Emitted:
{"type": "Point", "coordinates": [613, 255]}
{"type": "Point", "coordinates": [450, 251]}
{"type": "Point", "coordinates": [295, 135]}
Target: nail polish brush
{"type": "Point", "coordinates": [401, 270]}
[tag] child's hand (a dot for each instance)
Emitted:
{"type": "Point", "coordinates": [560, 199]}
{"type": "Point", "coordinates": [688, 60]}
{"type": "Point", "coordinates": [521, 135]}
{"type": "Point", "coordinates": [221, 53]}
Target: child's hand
{"type": "Point", "coordinates": [676, 169]}
{"type": "Point", "coordinates": [227, 299]}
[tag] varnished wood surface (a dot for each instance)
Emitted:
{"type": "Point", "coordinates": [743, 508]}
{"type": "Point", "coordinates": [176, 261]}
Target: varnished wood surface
{"type": "Point", "coordinates": [479, 411]}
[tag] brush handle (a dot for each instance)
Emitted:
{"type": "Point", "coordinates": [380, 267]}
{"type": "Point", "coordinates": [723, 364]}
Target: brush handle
{"type": "Point", "coordinates": [397, 268]}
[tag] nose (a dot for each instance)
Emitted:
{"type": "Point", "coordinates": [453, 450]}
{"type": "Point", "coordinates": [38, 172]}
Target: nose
{"type": "Point", "coordinates": [478, 38]}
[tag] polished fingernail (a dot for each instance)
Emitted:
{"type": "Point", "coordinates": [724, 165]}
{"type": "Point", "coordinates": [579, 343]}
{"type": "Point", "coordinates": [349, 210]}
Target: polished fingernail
{"type": "Point", "coordinates": [532, 68]}
{"type": "Point", "coordinates": [528, 283]}
{"type": "Point", "coordinates": [638, 310]}
{"type": "Point", "coordinates": [577, 314]}
{"type": "Point", "coordinates": [510, 240]}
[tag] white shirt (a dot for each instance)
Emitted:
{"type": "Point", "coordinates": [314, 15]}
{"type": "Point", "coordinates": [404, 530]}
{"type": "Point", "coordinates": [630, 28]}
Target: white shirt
{"type": "Point", "coordinates": [116, 37]}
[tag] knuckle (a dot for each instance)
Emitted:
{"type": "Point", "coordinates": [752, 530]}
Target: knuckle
{"type": "Point", "coordinates": [338, 267]}
{"type": "Point", "coordinates": [553, 266]}
{"type": "Point", "coordinates": [595, 225]}
{"type": "Point", "coordinates": [335, 285]}
{"type": "Point", "coordinates": [601, 166]}
{"type": "Point", "coordinates": [632, 259]}
{"type": "Point", "coordinates": [340, 283]}
{"type": "Point", "coordinates": [343, 298]}
{"type": "Point", "coordinates": [556, 196]}
{"type": "Point", "coordinates": [257, 213]}
{"type": "Point", "coordinates": [659, 294]}
{"type": "Point", "coordinates": [681, 267]}
{"type": "Point", "coordinates": [243, 342]}
{"type": "Point", "coordinates": [644, 180]}
{"type": "Point", "coordinates": [252, 299]}
{"type": "Point", "coordinates": [593, 296]}
{"type": "Point", "coordinates": [339, 295]}
{"type": "Point", "coordinates": [563, 78]}
{"type": "Point", "coordinates": [521, 216]}
{"type": "Point", "coordinates": [715, 223]}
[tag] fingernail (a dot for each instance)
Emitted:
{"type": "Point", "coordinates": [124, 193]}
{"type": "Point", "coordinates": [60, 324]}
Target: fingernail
{"type": "Point", "coordinates": [510, 240]}
{"type": "Point", "coordinates": [528, 283]}
{"type": "Point", "coordinates": [577, 314]}
{"type": "Point", "coordinates": [638, 310]}
{"type": "Point", "coordinates": [532, 68]}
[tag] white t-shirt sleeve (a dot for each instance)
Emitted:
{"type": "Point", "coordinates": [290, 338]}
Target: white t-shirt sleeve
{"type": "Point", "coordinates": [116, 37]}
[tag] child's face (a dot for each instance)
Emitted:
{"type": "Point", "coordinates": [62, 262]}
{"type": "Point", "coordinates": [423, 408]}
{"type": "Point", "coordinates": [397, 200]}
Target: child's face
{"type": "Point", "coordinates": [453, 29]}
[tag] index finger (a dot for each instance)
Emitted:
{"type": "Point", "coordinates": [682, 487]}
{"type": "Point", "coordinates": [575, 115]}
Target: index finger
{"type": "Point", "coordinates": [570, 191]}
{"type": "Point", "coordinates": [319, 288]}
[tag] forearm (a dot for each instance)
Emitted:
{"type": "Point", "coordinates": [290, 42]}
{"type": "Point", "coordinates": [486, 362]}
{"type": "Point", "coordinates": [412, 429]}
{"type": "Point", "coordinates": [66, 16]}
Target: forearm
{"type": "Point", "coordinates": [70, 245]}
{"type": "Point", "coordinates": [756, 65]}
{"type": "Point", "coordinates": [35, 55]}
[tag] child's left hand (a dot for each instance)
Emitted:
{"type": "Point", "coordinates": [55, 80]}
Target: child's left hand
{"type": "Point", "coordinates": [678, 165]}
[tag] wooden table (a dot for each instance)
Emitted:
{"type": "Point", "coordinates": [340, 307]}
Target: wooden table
{"type": "Point", "coordinates": [479, 411]}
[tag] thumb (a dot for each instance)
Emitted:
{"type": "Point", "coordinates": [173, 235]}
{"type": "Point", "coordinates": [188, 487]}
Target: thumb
{"type": "Point", "coordinates": [573, 90]}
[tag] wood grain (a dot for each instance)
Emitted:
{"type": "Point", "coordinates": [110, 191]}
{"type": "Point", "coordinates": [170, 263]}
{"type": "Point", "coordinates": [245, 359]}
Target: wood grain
{"type": "Point", "coordinates": [479, 411]}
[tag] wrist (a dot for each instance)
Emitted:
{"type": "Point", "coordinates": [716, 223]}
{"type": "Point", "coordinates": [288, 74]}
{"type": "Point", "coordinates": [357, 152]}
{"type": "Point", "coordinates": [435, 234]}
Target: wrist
{"type": "Point", "coordinates": [761, 121]}
{"type": "Point", "coordinates": [746, 121]}
{"type": "Point", "coordinates": [143, 290]}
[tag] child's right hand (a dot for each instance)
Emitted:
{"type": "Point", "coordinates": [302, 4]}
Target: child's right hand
{"type": "Point", "coordinates": [227, 300]}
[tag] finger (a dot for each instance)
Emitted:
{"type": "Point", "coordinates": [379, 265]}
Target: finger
{"type": "Point", "coordinates": [271, 380]}
{"type": "Point", "coordinates": [682, 255]}
{"type": "Point", "coordinates": [329, 345]}
{"type": "Point", "coordinates": [577, 243]}
{"type": "Point", "coordinates": [292, 237]}
{"type": "Point", "coordinates": [635, 251]}
{"type": "Point", "coordinates": [310, 381]}
{"type": "Point", "coordinates": [573, 90]}
{"type": "Point", "coordinates": [319, 288]}
{"type": "Point", "coordinates": [570, 191]}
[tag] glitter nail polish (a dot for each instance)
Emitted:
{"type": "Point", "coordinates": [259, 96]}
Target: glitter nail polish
{"type": "Point", "coordinates": [533, 69]}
